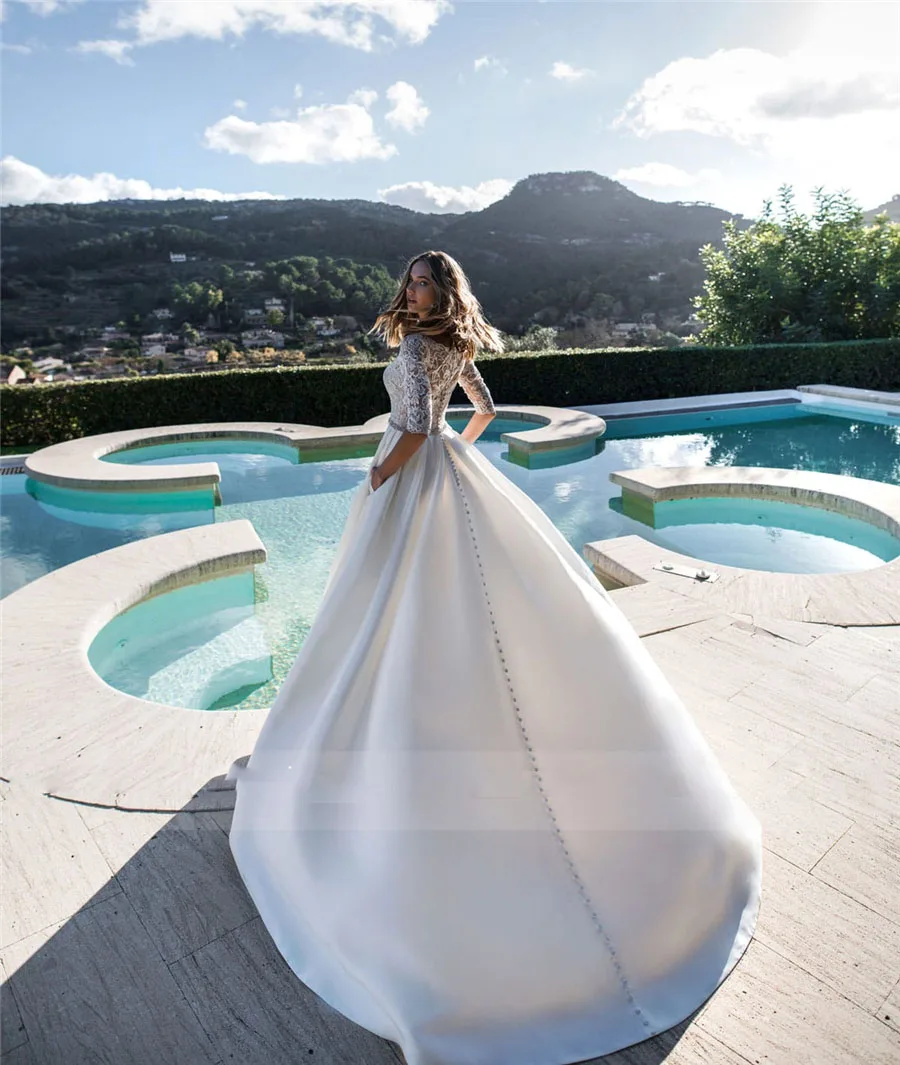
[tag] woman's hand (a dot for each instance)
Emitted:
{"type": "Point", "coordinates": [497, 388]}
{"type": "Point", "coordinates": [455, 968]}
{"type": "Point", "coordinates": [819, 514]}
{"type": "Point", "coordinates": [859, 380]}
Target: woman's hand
{"type": "Point", "coordinates": [376, 478]}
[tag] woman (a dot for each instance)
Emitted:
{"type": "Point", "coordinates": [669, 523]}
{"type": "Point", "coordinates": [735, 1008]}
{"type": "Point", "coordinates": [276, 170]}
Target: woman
{"type": "Point", "coordinates": [477, 820]}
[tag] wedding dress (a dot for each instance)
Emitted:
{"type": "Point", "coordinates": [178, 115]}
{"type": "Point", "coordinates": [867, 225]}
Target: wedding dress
{"type": "Point", "coordinates": [477, 820]}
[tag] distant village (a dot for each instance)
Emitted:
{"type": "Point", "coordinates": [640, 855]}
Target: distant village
{"type": "Point", "coordinates": [271, 336]}
{"type": "Point", "coordinates": [115, 352]}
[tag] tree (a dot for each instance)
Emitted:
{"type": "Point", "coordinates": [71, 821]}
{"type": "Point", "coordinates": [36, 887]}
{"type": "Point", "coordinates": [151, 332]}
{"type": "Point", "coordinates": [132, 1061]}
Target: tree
{"type": "Point", "coordinates": [828, 277]}
{"type": "Point", "coordinates": [196, 302]}
{"type": "Point", "coordinates": [190, 334]}
{"type": "Point", "coordinates": [275, 317]}
{"type": "Point", "coordinates": [538, 338]}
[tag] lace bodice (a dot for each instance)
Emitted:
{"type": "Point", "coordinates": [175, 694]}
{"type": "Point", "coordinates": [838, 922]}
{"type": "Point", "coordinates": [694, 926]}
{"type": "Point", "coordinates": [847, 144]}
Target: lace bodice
{"type": "Point", "coordinates": [421, 379]}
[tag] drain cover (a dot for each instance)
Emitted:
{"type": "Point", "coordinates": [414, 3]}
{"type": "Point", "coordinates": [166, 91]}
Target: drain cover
{"type": "Point", "coordinates": [704, 576]}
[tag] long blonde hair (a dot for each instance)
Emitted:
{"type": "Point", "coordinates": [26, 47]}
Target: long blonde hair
{"type": "Point", "coordinates": [457, 314]}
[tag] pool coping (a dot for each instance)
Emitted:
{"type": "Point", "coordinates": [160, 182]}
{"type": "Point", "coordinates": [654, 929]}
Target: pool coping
{"type": "Point", "coordinates": [78, 464]}
{"type": "Point", "coordinates": [859, 399]}
{"type": "Point", "coordinates": [861, 598]}
{"type": "Point", "coordinates": [861, 395]}
{"type": "Point", "coordinates": [123, 752]}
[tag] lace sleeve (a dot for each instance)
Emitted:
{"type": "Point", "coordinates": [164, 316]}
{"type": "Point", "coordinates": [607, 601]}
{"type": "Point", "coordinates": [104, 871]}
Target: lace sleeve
{"type": "Point", "coordinates": [475, 388]}
{"type": "Point", "coordinates": [416, 385]}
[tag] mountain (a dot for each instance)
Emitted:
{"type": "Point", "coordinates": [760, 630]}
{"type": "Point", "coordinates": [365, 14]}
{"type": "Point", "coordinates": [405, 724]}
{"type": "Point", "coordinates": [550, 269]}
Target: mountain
{"type": "Point", "coordinates": [892, 208]}
{"type": "Point", "coordinates": [586, 207]}
{"type": "Point", "coordinates": [558, 246]}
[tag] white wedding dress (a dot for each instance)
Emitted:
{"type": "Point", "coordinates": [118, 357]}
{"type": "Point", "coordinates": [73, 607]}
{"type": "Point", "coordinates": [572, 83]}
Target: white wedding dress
{"type": "Point", "coordinates": [477, 820]}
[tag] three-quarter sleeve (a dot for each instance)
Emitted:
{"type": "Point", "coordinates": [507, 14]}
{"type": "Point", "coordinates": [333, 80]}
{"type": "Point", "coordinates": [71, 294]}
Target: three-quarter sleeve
{"type": "Point", "coordinates": [475, 388]}
{"type": "Point", "coordinates": [417, 385]}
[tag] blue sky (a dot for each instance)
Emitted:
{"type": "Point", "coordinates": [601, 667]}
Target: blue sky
{"type": "Point", "coordinates": [443, 106]}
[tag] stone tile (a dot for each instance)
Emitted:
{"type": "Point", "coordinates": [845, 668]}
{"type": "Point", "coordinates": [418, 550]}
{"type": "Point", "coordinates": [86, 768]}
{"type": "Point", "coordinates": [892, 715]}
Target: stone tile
{"type": "Point", "coordinates": [94, 989]}
{"type": "Point", "coordinates": [651, 609]}
{"type": "Point", "coordinates": [179, 875]}
{"type": "Point", "coordinates": [797, 632]}
{"type": "Point", "coordinates": [874, 708]}
{"type": "Point", "coordinates": [865, 864]}
{"type": "Point", "coordinates": [682, 655]}
{"type": "Point", "coordinates": [740, 737]}
{"type": "Point", "coordinates": [889, 1011]}
{"type": "Point", "coordinates": [797, 828]}
{"type": "Point", "coordinates": [855, 778]}
{"type": "Point", "coordinates": [682, 1045]}
{"type": "Point", "coordinates": [844, 944]}
{"type": "Point", "coordinates": [874, 650]}
{"type": "Point", "coordinates": [12, 1027]}
{"type": "Point", "coordinates": [20, 1055]}
{"type": "Point", "coordinates": [770, 1010]}
{"type": "Point", "coordinates": [258, 1013]}
{"type": "Point", "coordinates": [51, 866]}
{"type": "Point", "coordinates": [223, 819]}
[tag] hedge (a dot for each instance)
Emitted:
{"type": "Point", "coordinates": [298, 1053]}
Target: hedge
{"type": "Point", "coordinates": [349, 395]}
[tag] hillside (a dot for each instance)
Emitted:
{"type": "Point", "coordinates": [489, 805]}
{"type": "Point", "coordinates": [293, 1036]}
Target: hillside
{"type": "Point", "coordinates": [557, 246]}
{"type": "Point", "coordinates": [891, 208]}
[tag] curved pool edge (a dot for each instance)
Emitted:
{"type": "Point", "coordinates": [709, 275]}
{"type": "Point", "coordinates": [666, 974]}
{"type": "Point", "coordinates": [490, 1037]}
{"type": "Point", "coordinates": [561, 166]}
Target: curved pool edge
{"type": "Point", "coordinates": [869, 597]}
{"type": "Point", "coordinates": [78, 464]}
{"type": "Point", "coordinates": [69, 734]}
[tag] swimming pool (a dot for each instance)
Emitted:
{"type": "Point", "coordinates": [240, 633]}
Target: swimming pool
{"type": "Point", "coordinates": [299, 510]}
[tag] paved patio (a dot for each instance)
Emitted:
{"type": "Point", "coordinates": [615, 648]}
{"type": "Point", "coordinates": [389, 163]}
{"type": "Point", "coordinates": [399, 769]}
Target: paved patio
{"type": "Point", "coordinates": [127, 937]}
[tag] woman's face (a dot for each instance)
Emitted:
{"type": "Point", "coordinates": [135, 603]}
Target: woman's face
{"type": "Point", "coordinates": [421, 295]}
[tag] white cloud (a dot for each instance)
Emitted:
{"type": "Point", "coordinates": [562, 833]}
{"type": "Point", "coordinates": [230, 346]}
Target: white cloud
{"type": "Point", "coordinates": [21, 183]}
{"type": "Point", "coordinates": [331, 133]}
{"type": "Point", "coordinates": [240, 105]}
{"type": "Point", "coordinates": [22, 49]}
{"type": "Point", "coordinates": [566, 72]}
{"type": "Point", "coordinates": [409, 111]}
{"type": "Point", "coordinates": [825, 114]}
{"type": "Point", "coordinates": [490, 62]}
{"type": "Point", "coordinates": [665, 175]}
{"type": "Point", "coordinates": [751, 96]}
{"type": "Point", "coordinates": [446, 199]}
{"type": "Point", "coordinates": [116, 50]}
{"type": "Point", "coordinates": [347, 22]}
{"type": "Point", "coordinates": [298, 91]}
{"type": "Point", "coordinates": [363, 97]}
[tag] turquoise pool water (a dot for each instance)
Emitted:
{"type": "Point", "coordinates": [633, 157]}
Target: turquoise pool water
{"type": "Point", "coordinates": [236, 643]}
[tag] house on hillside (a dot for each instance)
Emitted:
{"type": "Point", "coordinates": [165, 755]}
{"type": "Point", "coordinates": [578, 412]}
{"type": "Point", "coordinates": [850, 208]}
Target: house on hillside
{"type": "Point", "coordinates": [273, 303]}
{"type": "Point", "coordinates": [322, 328]}
{"type": "Point", "coordinates": [262, 338]}
{"type": "Point", "coordinates": [624, 329]}
{"type": "Point", "coordinates": [196, 354]}
{"type": "Point", "coordinates": [177, 257]}
{"type": "Point", "coordinates": [16, 376]}
{"type": "Point", "coordinates": [48, 364]}
{"type": "Point", "coordinates": [254, 314]}
{"type": "Point", "coordinates": [163, 313]}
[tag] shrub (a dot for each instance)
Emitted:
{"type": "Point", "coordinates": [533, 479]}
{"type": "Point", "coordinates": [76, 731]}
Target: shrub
{"type": "Point", "coordinates": [351, 394]}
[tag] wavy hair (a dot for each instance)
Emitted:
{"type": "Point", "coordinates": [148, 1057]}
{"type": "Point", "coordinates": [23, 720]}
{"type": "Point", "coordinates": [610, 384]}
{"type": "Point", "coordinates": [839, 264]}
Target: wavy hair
{"type": "Point", "coordinates": [457, 314]}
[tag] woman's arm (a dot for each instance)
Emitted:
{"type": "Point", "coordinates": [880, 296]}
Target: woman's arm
{"type": "Point", "coordinates": [480, 397]}
{"type": "Point", "coordinates": [401, 452]}
{"type": "Point", "coordinates": [476, 425]}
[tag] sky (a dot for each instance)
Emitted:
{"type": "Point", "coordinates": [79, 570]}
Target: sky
{"type": "Point", "coordinates": [442, 106]}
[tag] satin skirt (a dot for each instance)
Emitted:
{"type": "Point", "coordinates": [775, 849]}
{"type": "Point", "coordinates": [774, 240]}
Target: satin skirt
{"type": "Point", "coordinates": [477, 820]}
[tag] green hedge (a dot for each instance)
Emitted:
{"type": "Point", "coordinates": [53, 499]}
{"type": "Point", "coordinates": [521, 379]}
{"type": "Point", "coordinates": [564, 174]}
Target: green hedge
{"type": "Point", "coordinates": [349, 395]}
